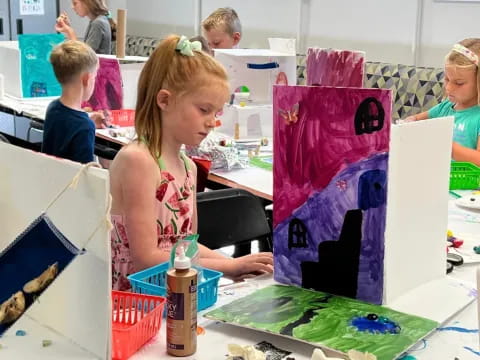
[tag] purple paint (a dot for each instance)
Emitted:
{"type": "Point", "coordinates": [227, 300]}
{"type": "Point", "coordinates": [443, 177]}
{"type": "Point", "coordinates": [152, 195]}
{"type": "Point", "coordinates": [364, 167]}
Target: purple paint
{"type": "Point", "coordinates": [108, 93]}
{"type": "Point", "coordinates": [323, 214]}
{"type": "Point", "coordinates": [330, 67]}
{"type": "Point", "coordinates": [319, 161]}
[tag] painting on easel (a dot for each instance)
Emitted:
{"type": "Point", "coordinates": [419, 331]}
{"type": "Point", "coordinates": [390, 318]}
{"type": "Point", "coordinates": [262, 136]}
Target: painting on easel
{"type": "Point", "coordinates": [330, 321]}
{"type": "Point", "coordinates": [108, 92]}
{"type": "Point", "coordinates": [330, 188]}
{"type": "Point", "coordinates": [38, 78]}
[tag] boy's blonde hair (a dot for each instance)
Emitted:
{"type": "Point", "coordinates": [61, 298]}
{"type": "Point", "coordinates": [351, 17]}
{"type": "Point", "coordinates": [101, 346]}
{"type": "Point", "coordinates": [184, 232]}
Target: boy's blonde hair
{"type": "Point", "coordinates": [459, 60]}
{"type": "Point", "coordinates": [168, 69]}
{"type": "Point", "coordinates": [71, 58]}
{"type": "Point", "coordinates": [225, 19]}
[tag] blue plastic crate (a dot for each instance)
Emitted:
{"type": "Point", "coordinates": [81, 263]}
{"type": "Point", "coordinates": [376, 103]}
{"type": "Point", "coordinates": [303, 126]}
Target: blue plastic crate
{"type": "Point", "coordinates": [152, 281]}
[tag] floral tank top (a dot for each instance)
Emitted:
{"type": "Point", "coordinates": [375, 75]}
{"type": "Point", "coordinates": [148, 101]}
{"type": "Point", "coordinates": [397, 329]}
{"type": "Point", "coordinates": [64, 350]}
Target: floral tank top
{"type": "Point", "coordinates": [174, 222]}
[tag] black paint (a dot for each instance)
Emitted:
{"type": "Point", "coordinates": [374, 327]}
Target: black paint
{"type": "Point", "coordinates": [336, 271]}
{"type": "Point", "coordinates": [369, 117]}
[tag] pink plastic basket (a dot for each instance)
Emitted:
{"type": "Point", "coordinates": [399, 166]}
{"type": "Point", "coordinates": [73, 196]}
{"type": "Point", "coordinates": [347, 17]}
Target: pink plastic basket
{"type": "Point", "coordinates": [136, 318]}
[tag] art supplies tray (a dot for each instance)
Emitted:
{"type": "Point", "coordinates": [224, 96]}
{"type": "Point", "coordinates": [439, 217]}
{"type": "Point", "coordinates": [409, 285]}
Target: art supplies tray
{"type": "Point", "coordinates": [153, 281]}
{"type": "Point", "coordinates": [136, 318]}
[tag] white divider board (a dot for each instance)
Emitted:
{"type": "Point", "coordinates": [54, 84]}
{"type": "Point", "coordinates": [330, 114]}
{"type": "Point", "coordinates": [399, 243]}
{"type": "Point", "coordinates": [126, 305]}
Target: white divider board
{"type": "Point", "coordinates": [130, 75]}
{"type": "Point", "coordinates": [417, 211]}
{"type": "Point", "coordinates": [437, 300]}
{"type": "Point", "coordinates": [259, 82]}
{"type": "Point", "coordinates": [10, 67]}
{"type": "Point", "coordinates": [77, 305]}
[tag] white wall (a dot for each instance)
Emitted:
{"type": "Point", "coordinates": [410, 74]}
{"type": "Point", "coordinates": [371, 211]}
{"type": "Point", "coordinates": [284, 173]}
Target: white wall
{"type": "Point", "coordinates": [388, 30]}
{"type": "Point", "coordinates": [445, 23]}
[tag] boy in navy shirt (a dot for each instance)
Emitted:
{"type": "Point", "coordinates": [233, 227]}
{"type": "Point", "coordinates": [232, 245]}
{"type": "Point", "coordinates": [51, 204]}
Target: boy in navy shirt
{"type": "Point", "coordinates": [68, 131]}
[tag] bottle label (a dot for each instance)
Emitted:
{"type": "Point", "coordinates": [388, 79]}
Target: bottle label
{"type": "Point", "coordinates": [176, 346]}
{"type": "Point", "coordinates": [175, 306]}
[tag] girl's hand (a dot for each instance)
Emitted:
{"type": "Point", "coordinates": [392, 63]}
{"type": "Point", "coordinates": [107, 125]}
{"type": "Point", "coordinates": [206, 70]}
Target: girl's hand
{"type": "Point", "coordinates": [410, 118]}
{"type": "Point", "coordinates": [62, 25]}
{"type": "Point", "coordinates": [100, 118]}
{"type": "Point", "coordinates": [64, 17]}
{"type": "Point", "coordinates": [251, 265]}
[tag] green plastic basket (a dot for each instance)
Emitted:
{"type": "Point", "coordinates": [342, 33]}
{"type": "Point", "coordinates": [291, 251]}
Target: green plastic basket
{"type": "Point", "coordinates": [464, 175]}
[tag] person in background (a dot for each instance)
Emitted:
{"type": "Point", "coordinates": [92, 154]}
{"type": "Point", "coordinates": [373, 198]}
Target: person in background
{"type": "Point", "coordinates": [222, 29]}
{"type": "Point", "coordinates": [204, 43]}
{"type": "Point", "coordinates": [101, 29]}
{"type": "Point", "coordinates": [180, 90]}
{"type": "Point", "coordinates": [462, 84]}
{"type": "Point", "coordinates": [68, 131]}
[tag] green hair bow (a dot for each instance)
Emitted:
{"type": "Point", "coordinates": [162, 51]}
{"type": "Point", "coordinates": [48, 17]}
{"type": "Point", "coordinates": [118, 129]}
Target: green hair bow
{"type": "Point", "coordinates": [186, 47]}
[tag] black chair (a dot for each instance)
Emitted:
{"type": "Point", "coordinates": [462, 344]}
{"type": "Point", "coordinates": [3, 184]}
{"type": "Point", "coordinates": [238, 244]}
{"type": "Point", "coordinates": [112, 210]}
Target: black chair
{"type": "Point", "coordinates": [231, 217]}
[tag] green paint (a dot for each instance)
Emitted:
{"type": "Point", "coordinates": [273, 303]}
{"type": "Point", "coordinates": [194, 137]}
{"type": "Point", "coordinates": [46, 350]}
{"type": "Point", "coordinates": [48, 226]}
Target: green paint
{"type": "Point", "coordinates": [260, 162]}
{"type": "Point", "coordinates": [322, 319]}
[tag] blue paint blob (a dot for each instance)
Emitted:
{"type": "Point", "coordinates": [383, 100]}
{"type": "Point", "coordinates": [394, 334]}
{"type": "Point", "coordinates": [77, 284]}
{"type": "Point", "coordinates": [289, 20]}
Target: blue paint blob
{"type": "Point", "coordinates": [381, 324]}
{"type": "Point", "coordinates": [473, 351]}
{"type": "Point", "coordinates": [21, 333]}
{"type": "Point", "coordinates": [458, 329]}
{"type": "Point", "coordinates": [408, 357]}
{"type": "Point", "coordinates": [371, 189]}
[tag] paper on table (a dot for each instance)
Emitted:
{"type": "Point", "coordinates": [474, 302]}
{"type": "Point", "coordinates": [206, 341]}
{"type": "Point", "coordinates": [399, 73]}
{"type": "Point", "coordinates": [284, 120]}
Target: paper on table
{"type": "Point", "coordinates": [252, 177]}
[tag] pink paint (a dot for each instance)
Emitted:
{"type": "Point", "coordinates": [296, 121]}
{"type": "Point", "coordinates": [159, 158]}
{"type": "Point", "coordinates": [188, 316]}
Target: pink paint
{"type": "Point", "coordinates": [108, 93]}
{"type": "Point", "coordinates": [329, 67]}
{"type": "Point", "coordinates": [322, 142]}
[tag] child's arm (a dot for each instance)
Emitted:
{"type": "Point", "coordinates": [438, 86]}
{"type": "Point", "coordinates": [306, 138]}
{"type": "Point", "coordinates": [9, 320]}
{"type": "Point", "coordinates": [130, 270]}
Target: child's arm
{"type": "Point", "coordinates": [417, 117]}
{"type": "Point", "coordinates": [136, 173]}
{"type": "Point", "coordinates": [462, 153]}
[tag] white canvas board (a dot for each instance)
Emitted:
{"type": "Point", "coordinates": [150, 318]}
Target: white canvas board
{"type": "Point", "coordinates": [10, 67]}
{"type": "Point", "coordinates": [77, 303]}
{"type": "Point", "coordinates": [417, 205]}
{"type": "Point", "coordinates": [31, 180]}
{"type": "Point", "coordinates": [130, 75]}
{"type": "Point", "coordinates": [437, 300]}
{"type": "Point", "coordinates": [259, 81]}
{"type": "Point", "coordinates": [282, 45]}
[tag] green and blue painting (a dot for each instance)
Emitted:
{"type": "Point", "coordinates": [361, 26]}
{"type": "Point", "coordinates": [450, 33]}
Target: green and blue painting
{"type": "Point", "coordinates": [331, 321]}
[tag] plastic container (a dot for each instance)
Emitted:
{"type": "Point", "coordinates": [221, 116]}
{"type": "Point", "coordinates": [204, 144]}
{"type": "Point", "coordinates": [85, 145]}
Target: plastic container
{"type": "Point", "coordinates": [152, 281]}
{"type": "Point", "coordinates": [464, 175]}
{"type": "Point", "coordinates": [123, 117]}
{"type": "Point", "coordinates": [136, 318]}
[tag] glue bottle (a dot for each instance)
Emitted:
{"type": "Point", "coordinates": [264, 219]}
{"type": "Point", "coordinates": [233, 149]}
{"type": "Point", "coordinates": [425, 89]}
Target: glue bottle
{"type": "Point", "coordinates": [181, 307]}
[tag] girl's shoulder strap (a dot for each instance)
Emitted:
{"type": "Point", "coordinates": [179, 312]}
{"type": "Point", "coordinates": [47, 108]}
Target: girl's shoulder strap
{"type": "Point", "coordinates": [185, 160]}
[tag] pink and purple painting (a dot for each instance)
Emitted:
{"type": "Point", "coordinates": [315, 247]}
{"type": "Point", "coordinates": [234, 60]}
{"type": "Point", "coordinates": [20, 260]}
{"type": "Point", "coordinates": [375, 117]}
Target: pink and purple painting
{"type": "Point", "coordinates": [330, 188]}
{"type": "Point", "coordinates": [330, 67]}
{"type": "Point", "coordinates": [108, 93]}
